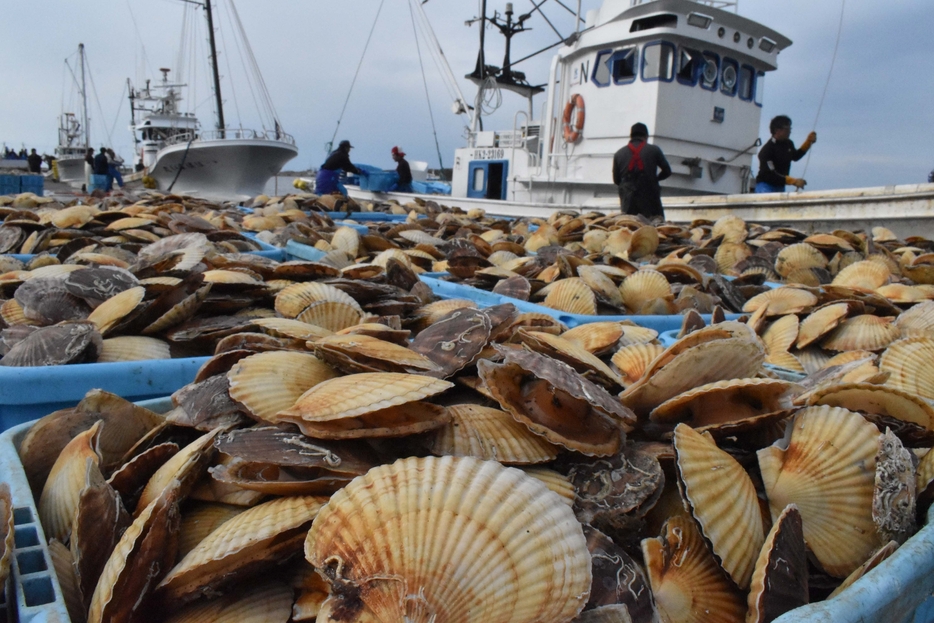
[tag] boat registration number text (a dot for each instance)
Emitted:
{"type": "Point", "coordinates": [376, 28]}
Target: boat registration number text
{"type": "Point", "coordinates": [488, 154]}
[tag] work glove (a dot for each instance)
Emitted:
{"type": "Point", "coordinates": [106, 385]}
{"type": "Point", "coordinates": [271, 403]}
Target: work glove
{"type": "Point", "coordinates": [810, 140]}
{"type": "Point", "coordinates": [794, 181]}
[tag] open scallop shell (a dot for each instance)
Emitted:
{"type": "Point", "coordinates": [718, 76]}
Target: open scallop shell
{"type": "Point", "coordinates": [781, 301]}
{"type": "Point", "coordinates": [866, 276]}
{"type": "Point", "coordinates": [492, 435]}
{"type": "Point", "coordinates": [573, 296]}
{"type": "Point", "coordinates": [133, 348]}
{"type": "Point", "coordinates": [603, 287]}
{"type": "Point", "coordinates": [362, 353]}
{"type": "Point", "coordinates": [294, 299]}
{"type": "Point", "coordinates": [687, 583]}
{"type": "Point", "coordinates": [286, 327]}
{"type": "Point", "coordinates": [864, 332]}
{"type": "Point", "coordinates": [267, 383]}
{"type": "Point", "coordinates": [570, 353]}
{"type": "Point", "coordinates": [268, 601]}
{"type": "Point", "coordinates": [597, 338]}
{"type": "Point", "coordinates": [633, 360]}
{"type": "Point", "coordinates": [642, 288]}
{"type": "Point", "coordinates": [907, 414]}
{"type": "Point", "coordinates": [722, 499]}
{"type": "Point", "coordinates": [801, 255]}
{"type": "Point", "coordinates": [780, 578]}
{"type": "Point", "coordinates": [331, 315]}
{"type": "Point", "coordinates": [258, 537]}
{"type": "Point", "coordinates": [918, 321]}
{"type": "Point", "coordinates": [827, 468]}
{"type": "Point", "coordinates": [910, 364]}
{"type": "Point", "coordinates": [527, 542]}
{"type": "Point", "coordinates": [821, 322]}
{"type": "Point", "coordinates": [726, 401]}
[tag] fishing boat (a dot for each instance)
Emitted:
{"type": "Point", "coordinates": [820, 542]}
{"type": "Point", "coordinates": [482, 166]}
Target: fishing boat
{"type": "Point", "coordinates": [74, 129]}
{"type": "Point", "coordinates": [182, 157]}
{"type": "Point", "coordinates": [694, 71]}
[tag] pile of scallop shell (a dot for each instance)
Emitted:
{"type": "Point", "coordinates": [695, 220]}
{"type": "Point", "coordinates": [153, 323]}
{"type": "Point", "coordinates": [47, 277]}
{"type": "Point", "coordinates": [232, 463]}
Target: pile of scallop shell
{"type": "Point", "coordinates": [474, 464]}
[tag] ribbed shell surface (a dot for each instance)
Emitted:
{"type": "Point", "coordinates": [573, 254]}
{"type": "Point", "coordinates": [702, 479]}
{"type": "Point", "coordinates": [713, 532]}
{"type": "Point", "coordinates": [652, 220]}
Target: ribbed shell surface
{"type": "Point", "coordinates": [455, 540]}
{"type": "Point", "coordinates": [267, 383]}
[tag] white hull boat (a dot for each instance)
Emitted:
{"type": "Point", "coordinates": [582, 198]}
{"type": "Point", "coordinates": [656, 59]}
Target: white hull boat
{"type": "Point", "coordinates": [71, 169]}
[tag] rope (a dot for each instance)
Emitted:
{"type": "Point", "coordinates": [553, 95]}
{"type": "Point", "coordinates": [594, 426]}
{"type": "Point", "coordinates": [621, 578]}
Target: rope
{"type": "Point", "coordinates": [110, 140]}
{"type": "Point", "coordinates": [833, 59]}
{"type": "Point", "coordinates": [180, 166]}
{"type": "Point", "coordinates": [425, 82]}
{"type": "Point", "coordinates": [257, 74]}
{"type": "Point", "coordinates": [357, 73]}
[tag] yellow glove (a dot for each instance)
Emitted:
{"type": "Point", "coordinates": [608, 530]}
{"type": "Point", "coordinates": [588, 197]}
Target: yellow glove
{"type": "Point", "coordinates": [810, 140]}
{"type": "Point", "coordinates": [794, 181]}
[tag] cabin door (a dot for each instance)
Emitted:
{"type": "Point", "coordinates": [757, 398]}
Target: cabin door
{"type": "Point", "coordinates": [487, 179]}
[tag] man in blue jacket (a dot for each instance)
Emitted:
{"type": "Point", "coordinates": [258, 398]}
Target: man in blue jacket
{"type": "Point", "coordinates": [326, 182]}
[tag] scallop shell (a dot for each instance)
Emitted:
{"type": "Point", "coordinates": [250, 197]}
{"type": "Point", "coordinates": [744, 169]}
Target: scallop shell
{"type": "Point", "coordinates": [642, 287]}
{"type": "Point", "coordinates": [433, 312]}
{"type": "Point", "coordinates": [732, 228]}
{"type": "Point", "coordinates": [633, 334]}
{"type": "Point", "coordinates": [880, 556]}
{"type": "Point", "coordinates": [331, 315]}
{"type": "Point", "coordinates": [865, 276]}
{"type": "Point", "coordinates": [59, 499]}
{"type": "Point", "coordinates": [12, 313]}
{"type": "Point", "coordinates": [133, 348]}
{"type": "Point", "coordinates": [189, 296]}
{"type": "Point", "coordinates": [286, 327]}
{"type": "Point", "coordinates": [555, 481]}
{"type": "Point", "coordinates": [492, 435]}
{"type": "Point", "coordinates": [893, 502]}
{"type": "Point", "coordinates": [180, 471]}
{"type": "Point", "coordinates": [64, 566]}
{"type": "Point", "coordinates": [603, 287]}
{"type": "Point", "coordinates": [597, 338]}
{"type": "Point", "coordinates": [708, 362]}
{"type": "Point", "coordinates": [905, 413]}
{"type": "Point", "coordinates": [723, 500]}
{"type": "Point", "coordinates": [520, 526]}
{"type": "Point", "coordinates": [865, 332]}
{"type": "Point", "coordinates": [781, 334]}
{"type": "Point", "coordinates": [729, 254]}
{"type": "Point", "coordinates": [268, 601]}
{"type": "Point", "coordinates": [633, 360]}
{"type": "Point", "coordinates": [258, 537]}
{"type": "Point", "coordinates": [801, 255]}
{"type": "Point", "coordinates": [573, 296]}
{"type": "Point", "coordinates": [267, 383]}
{"type": "Point", "coordinates": [6, 533]}
{"type": "Point", "coordinates": [516, 287]}
{"type": "Point", "coordinates": [360, 394]}
{"type": "Point", "coordinates": [60, 344]}
{"type": "Point", "coordinates": [780, 578]}
{"type": "Point", "coordinates": [346, 239]}
{"type": "Point", "coordinates": [362, 353]}
{"type": "Point", "coordinates": [554, 401]}
{"type": "Point", "coordinates": [820, 322]}
{"type": "Point", "coordinates": [644, 242]}
{"type": "Point", "coordinates": [827, 468]}
{"type": "Point", "coordinates": [918, 321]}
{"type": "Point", "coordinates": [782, 301]}
{"type": "Point", "coordinates": [687, 583]}
{"type": "Point", "coordinates": [910, 364]}
{"type": "Point", "coordinates": [726, 401]}
{"type": "Point", "coordinates": [296, 298]}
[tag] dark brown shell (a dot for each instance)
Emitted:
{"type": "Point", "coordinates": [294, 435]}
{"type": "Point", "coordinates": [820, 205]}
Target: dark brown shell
{"type": "Point", "coordinates": [208, 405]}
{"type": "Point", "coordinates": [780, 577]}
{"type": "Point", "coordinates": [68, 342]}
{"type": "Point", "coordinates": [97, 284]}
{"type": "Point", "coordinates": [455, 341]}
{"type": "Point", "coordinates": [517, 287]}
{"type": "Point", "coordinates": [617, 578]}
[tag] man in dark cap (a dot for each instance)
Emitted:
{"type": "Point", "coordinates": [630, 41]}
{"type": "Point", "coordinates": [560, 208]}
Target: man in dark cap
{"type": "Point", "coordinates": [637, 169]}
{"type": "Point", "coordinates": [404, 185]}
{"type": "Point", "coordinates": [327, 180]}
{"type": "Point", "coordinates": [776, 156]}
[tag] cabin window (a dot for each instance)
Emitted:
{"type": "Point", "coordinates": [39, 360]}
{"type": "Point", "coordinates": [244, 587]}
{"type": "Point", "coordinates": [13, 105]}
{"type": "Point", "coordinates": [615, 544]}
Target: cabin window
{"type": "Point", "coordinates": [759, 87]}
{"type": "Point", "coordinates": [729, 76]}
{"type": "Point", "coordinates": [479, 182]}
{"type": "Point", "coordinates": [658, 62]}
{"type": "Point", "coordinates": [601, 69]}
{"type": "Point", "coordinates": [747, 79]}
{"type": "Point", "coordinates": [665, 20]}
{"type": "Point", "coordinates": [624, 65]}
{"type": "Point", "coordinates": [690, 64]}
{"type": "Point", "coordinates": [710, 71]}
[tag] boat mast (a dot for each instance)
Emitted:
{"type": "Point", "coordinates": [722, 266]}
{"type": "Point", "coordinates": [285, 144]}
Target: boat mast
{"type": "Point", "coordinates": [217, 78]}
{"type": "Point", "coordinates": [481, 70]}
{"type": "Point", "coordinates": [84, 100]}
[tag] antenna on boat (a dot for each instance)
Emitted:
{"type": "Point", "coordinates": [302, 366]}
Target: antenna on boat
{"type": "Point", "coordinates": [206, 5]}
{"type": "Point", "coordinates": [84, 98]}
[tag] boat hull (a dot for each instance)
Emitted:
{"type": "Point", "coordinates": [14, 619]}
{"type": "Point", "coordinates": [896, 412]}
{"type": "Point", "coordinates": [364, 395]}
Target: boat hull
{"type": "Point", "coordinates": [227, 168]}
{"type": "Point", "coordinates": [907, 210]}
{"type": "Point", "coordinates": [71, 170]}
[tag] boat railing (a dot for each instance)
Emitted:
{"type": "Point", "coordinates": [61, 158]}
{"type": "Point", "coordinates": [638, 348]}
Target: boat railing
{"type": "Point", "coordinates": [717, 4]}
{"type": "Point", "coordinates": [231, 134]}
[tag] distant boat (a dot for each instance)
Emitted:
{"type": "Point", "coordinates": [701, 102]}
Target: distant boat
{"type": "Point", "coordinates": [183, 158]}
{"type": "Point", "coordinates": [74, 132]}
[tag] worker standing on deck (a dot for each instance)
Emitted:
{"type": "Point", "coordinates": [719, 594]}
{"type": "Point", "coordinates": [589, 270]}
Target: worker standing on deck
{"type": "Point", "coordinates": [326, 182]}
{"type": "Point", "coordinates": [637, 169]}
{"type": "Point", "coordinates": [404, 185]}
{"type": "Point", "coordinates": [776, 156]}
{"type": "Point", "coordinates": [35, 162]}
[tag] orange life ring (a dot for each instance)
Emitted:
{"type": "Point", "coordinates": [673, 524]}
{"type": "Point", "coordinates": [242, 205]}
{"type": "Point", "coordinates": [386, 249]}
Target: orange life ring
{"type": "Point", "coordinates": [572, 132]}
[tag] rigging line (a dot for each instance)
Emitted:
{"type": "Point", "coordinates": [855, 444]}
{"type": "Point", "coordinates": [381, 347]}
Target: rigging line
{"type": "Point", "coordinates": [833, 59]}
{"type": "Point", "coordinates": [97, 100]}
{"type": "Point", "coordinates": [113, 126]}
{"type": "Point", "coordinates": [264, 91]}
{"type": "Point", "coordinates": [230, 74]}
{"type": "Point", "coordinates": [246, 68]}
{"type": "Point", "coordinates": [537, 8]}
{"type": "Point", "coordinates": [357, 73]}
{"type": "Point", "coordinates": [566, 8]}
{"type": "Point", "coordinates": [437, 55]}
{"type": "Point", "coordinates": [139, 38]}
{"type": "Point", "coordinates": [431, 115]}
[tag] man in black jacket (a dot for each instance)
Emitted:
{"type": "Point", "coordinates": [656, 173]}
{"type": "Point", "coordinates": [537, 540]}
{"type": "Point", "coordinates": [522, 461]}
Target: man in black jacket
{"type": "Point", "coordinates": [776, 156]}
{"type": "Point", "coordinates": [637, 169]}
{"type": "Point", "coordinates": [35, 162]}
{"type": "Point", "coordinates": [327, 180]}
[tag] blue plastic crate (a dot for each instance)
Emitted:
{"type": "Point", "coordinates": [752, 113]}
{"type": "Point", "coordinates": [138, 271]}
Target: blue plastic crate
{"type": "Point", "coordinates": [298, 251]}
{"type": "Point", "coordinates": [98, 182]}
{"type": "Point", "coordinates": [266, 250]}
{"type": "Point", "coordinates": [9, 184]}
{"type": "Point", "coordinates": [446, 289]}
{"type": "Point", "coordinates": [32, 184]}
{"type": "Point", "coordinates": [380, 182]}
{"type": "Point", "coordinates": [29, 393]}
{"type": "Point", "coordinates": [370, 216]}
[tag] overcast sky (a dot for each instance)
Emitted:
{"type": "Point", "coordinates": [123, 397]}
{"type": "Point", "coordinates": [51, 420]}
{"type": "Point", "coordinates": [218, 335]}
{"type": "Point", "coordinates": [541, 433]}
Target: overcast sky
{"type": "Point", "coordinates": [876, 126]}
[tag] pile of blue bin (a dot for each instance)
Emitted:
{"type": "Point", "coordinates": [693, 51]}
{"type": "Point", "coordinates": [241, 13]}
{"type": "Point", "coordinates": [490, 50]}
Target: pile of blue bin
{"type": "Point", "coordinates": [16, 184]}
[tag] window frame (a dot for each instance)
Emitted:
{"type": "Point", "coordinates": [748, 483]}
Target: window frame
{"type": "Point", "coordinates": [758, 96]}
{"type": "Point", "coordinates": [596, 66]}
{"type": "Point", "coordinates": [674, 54]}
{"type": "Point", "coordinates": [724, 63]}
{"type": "Point", "coordinates": [635, 61]}
{"type": "Point", "coordinates": [694, 74]}
{"type": "Point", "coordinates": [716, 83]}
{"type": "Point", "coordinates": [752, 83]}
